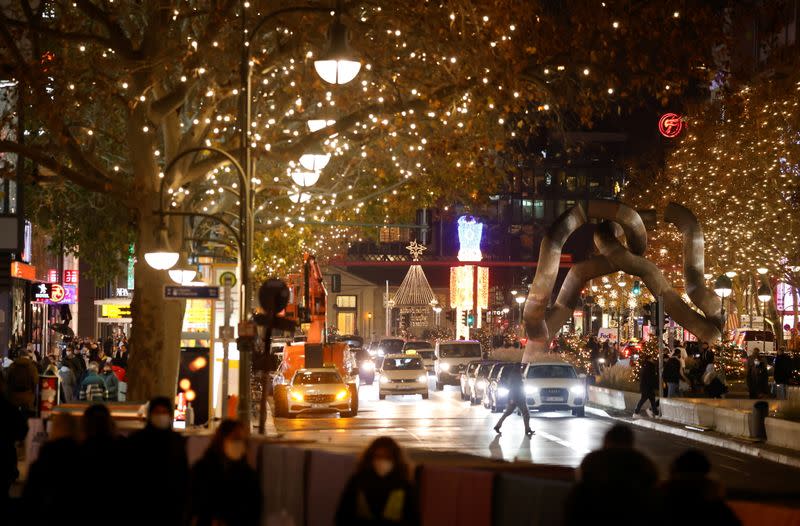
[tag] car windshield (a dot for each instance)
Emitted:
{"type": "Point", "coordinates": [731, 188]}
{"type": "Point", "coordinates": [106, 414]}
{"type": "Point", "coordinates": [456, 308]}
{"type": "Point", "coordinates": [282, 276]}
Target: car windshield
{"type": "Point", "coordinates": [427, 355]}
{"type": "Point", "coordinates": [316, 377]}
{"type": "Point", "coordinates": [460, 350]}
{"type": "Point", "coordinates": [551, 371]}
{"type": "Point", "coordinates": [417, 345]}
{"type": "Point", "coordinates": [391, 346]}
{"type": "Point", "coordinates": [401, 364]}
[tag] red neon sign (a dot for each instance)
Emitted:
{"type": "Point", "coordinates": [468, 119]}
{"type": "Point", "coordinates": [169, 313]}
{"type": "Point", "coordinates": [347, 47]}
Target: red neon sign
{"type": "Point", "coordinates": [52, 275]}
{"type": "Point", "coordinates": [57, 293]}
{"type": "Point", "coordinates": [670, 125]}
{"type": "Point", "coordinates": [71, 277]}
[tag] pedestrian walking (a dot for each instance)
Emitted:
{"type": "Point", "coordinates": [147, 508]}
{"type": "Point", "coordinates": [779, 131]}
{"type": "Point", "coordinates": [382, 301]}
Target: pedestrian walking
{"type": "Point", "coordinates": [648, 386]}
{"type": "Point", "coordinates": [111, 382]}
{"type": "Point", "coordinates": [700, 498]}
{"type": "Point", "coordinates": [516, 400]}
{"type": "Point", "coordinates": [13, 429]}
{"type": "Point", "coordinates": [757, 376]}
{"type": "Point", "coordinates": [594, 353]}
{"type": "Point", "coordinates": [672, 374]}
{"type": "Point", "coordinates": [224, 488]}
{"type": "Point", "coordinates": [381, 491]}
{"type": "Point", "coordinates": [68, 383]}
{"type": "Point", "coordinates": [782, 373]}
{"type": "Point", "coordinates": [159, 469]}
{"type": "Point", "coordinates": [59, 460]}
{"type": "Point", "coordinates": [706, 355]}
{"type": "Point", "coordinates": [23, 379]}
{"type": "Point", "coordinates": [93, 388]}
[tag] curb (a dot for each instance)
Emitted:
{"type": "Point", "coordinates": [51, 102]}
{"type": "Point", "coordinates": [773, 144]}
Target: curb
{"type": "Point", "coordinates": [711, 440]}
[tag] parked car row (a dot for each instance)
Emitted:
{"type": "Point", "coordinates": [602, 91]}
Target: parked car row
{"type": "Point", "coordinates": [549, 386]}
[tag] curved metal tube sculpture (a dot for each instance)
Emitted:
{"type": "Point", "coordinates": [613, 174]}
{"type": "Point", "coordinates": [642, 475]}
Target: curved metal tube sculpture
{"type": "Point", "coordinates": [618, 219]}
{"type": "Point", "coordinates": [704, 328]}
{"type": "Point", "coordinates": [570, 292]}
{"type": "Point", "coordinates": [694, 261]}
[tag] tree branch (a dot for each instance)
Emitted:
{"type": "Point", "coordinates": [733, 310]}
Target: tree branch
{"type": "Point", "coordinates": [117, 39]}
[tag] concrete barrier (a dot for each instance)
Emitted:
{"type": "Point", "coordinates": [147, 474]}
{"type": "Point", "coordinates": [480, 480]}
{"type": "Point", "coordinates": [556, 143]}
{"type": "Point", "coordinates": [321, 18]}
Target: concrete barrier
{"type": "Point", "coordinates": [687, 413]}
{"type": "Point", "coordinates": [757, 514]}
{"type": "Point", "coordinates": [328, 474]}
{"type": "Point", "coordinates": [605, 397]}
{"type": "Point", "coordinates": [283, 483]}
{"type": "Point", "coordinates": [734, 422]}
{"type": "Point", "coordinates": [783, 433]}
{"type": "Point", "coordinates": [455, 496]}
{"type": "Point", "coordinates": [528, 501]}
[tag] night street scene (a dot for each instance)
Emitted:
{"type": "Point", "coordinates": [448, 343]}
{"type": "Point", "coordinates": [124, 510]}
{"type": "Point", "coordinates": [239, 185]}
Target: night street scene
{"type": "Point", "coordinates": [395, 262]}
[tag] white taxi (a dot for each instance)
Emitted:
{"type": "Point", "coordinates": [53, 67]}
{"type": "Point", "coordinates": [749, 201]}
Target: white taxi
{"type": "Point", "coordinates": [403, 374]}
{"type": "Point", "coordinates": [318, 390]}
{"type": "Point", "coordinates": [555, 386]}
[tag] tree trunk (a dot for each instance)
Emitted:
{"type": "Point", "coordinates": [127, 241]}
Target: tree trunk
{"type": "Point", "coordinates": [156, 327]}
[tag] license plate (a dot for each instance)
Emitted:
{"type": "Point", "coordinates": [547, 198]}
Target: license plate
{"type": "Point", "coordinates": [553, 399]}
{"type": "Point", "coordinates": [318, 406]}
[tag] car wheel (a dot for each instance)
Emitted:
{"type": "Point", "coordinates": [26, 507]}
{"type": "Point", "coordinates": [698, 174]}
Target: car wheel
{"type": "Point", "coordinates": [382, 396]}
{"type": "Point", "coordinates": [439, 385]}
{"type": "Point", "coordinates": [424, 396]}
{"type": "Point", "coordinates": [580, 412]}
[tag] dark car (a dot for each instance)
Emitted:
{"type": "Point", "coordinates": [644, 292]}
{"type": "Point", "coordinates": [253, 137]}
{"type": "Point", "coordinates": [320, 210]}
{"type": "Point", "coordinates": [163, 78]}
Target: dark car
{"type": "Point", "coordinates": [468, 378]}
{"type": "Point", "coordinates": [496, 395]}
{"type": "Point", "coordinates": [478, 387]}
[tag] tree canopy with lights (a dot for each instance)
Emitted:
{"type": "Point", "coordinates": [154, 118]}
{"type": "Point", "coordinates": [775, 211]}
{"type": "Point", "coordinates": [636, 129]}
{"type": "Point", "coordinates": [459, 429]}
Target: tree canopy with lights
{"type": "Point", "coordinates": [114, 91]}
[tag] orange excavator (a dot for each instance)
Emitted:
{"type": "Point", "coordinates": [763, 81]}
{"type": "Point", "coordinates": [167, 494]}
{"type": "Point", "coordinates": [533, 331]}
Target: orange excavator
{"type": "Point", "coordinates": [307, 306]}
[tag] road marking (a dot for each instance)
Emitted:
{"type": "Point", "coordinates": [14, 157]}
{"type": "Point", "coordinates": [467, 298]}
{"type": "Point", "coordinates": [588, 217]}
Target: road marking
{"type": "Point", "coordinates": [562, 442]}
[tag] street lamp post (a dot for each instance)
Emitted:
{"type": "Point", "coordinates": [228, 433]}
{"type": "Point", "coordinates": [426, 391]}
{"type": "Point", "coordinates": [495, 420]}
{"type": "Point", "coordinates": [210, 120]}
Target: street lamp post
{"type": "Point", "coordinates": [764, 295]}
{"type": "Point", "coordinates": [723, 286]}
{"type": "Point", "coordinates": [520, 301]}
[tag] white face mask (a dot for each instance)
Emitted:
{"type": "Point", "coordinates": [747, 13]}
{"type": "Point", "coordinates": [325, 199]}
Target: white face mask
{"type": "Point", "coordinates": [382, 466]}
{"type": "Point", "coordinates": [234, 449]}
{"type": "Point", "coordinates": [161, 421]}
{"type": "Point", "coordinates": [756, 362]}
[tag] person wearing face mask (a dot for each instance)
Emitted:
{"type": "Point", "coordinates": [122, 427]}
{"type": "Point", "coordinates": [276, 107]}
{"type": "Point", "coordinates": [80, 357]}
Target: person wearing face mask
{"type": "Point", "coordinates": [159, 469]}
{"type": "Point", "coordinates": [224, 488]}
{"type": "Point", "coordinates": [381, 491]}
{"type": "Point", "coordinates": [757, 376]}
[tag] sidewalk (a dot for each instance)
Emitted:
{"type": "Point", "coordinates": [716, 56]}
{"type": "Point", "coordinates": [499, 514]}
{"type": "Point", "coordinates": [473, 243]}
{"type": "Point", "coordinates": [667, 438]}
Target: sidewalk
{"type": "Point", "coordinates": [783, 456]}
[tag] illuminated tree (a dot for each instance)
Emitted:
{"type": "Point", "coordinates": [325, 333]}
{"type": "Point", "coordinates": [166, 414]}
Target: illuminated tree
{"type": "Point", "coordinates": [737, 169]}
{"type": "Point", "coordinates": [115, 90]}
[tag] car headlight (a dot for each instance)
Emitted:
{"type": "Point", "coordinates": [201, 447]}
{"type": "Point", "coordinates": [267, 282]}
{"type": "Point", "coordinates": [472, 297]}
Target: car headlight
{"type": "Point", "coordinates": [601, 360]}
{"type": "Point", "coordinates": [341, 395]}
{"type": "Point", "coordinates": [384, 380]}
{"type": "Point", "coordinates": [423, 379]}
{"type": "Point", "coordinates": [531, 390]}
{"type": "Point", "coordinates": [444, 366]}
{"type": "Point", "coordinates": [297, 395]}
{"type": "Point", "coordinates": [368, 366]}
{"type": "Point", "coordinates": [502, 391]}
{"type": "Point", "coordinates": [577, 390]}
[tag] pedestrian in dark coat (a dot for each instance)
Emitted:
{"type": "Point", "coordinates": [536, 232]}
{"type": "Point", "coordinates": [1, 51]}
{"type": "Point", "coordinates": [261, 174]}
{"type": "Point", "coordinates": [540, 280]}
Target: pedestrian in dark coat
{"type": "Point", "coordinates": [159, 469]}
{"type": "Point", "coordinates": [757, 376]}
{"type": "Point", "coordinates": [23, 379]}
{"type": "Point", "coordinates": [782, 372]}
{"type": "Point", "coordinates": [381, 491]}
{"type": "Point", "coordinates": [648, 386]}
{"type": "Point", "coordinates": [13, 428]}
{"type": "Point", "coordinates": [516, 400]}
{"type": "Point", "coordinates": [224, 488]}
{"type": "Point", "coordinates": [59, 460]}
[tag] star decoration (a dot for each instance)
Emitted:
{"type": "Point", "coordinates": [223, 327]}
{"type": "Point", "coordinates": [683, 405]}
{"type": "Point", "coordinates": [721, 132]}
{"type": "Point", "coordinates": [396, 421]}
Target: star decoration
{"type": "Point", "coordinates": [416, 250]}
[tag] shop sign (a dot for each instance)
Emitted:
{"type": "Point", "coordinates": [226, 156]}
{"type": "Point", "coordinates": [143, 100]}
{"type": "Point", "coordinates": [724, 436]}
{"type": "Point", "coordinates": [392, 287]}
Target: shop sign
{"type": "Point", "coordinates": [71, 277]}
{"type": "Point", "coordinates": [670, 125]}
{"type": "Point", "coordinates": [122, 293]}
{"type": "Point", "coordinates": [22, 271]}
{"type": "Point", "coordinates": [54, 293]}
{"type": "Point", "coordinates": [115, 312]}
{"type": "Point", "coordinates": [52, 276]}
{"type": "Point", "coordinates": [27, 242]}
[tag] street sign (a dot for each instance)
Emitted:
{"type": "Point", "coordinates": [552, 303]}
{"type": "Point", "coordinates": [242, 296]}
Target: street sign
{"type": "Point", "coordinates": [173, 292]}
{"type": "Point", "coordinates": [227, 279]}
{"type": "Point", "coordinates": [247, 329]}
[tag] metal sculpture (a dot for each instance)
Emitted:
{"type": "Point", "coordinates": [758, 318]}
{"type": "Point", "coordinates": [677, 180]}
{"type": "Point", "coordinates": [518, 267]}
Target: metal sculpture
{"type": "Point", "coordinates": [618, 222]}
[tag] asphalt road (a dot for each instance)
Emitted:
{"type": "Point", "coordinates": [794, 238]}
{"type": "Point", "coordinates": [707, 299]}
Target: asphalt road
{"type": "Point", "coordinates": [445, 423]}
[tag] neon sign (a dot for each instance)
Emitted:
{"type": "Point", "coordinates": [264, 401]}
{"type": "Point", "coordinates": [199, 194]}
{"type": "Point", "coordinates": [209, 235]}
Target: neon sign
{"type": "Point", "coordinates": [469, 239]}
{"type": "Point", "coordinates": [54, 293]}
{"type": "Point", "coordinates": [670, 125]}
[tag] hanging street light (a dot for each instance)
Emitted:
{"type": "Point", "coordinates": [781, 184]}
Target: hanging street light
{"type": "Point", "coordinates": [300, 197]}
{"type": "Point", "coordinates": [305, 179]}
{"type": "Point", "coordinates": [163, 257]}
{"type": "Point", "coordinates": [315, 125]}
{"type": "Point", "coordinates": [183, 273]}
{"type": "Point", "coordinates": [338, 64]}
{"type": "Point", "coordinates": [315, 160]}
{"type": "Point", "coordinates": [723, 286]}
